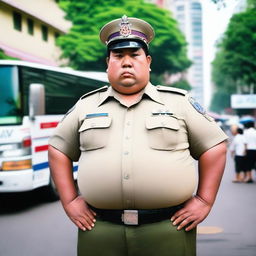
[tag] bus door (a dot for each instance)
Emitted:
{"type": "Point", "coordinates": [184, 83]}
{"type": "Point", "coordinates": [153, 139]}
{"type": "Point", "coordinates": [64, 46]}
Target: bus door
{"type": "Point", "coordinates": [41, 130]}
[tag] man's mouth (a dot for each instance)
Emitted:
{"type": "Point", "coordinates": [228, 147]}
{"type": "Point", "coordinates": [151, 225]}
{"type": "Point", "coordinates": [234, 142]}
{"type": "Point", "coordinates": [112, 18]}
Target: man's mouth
{"type": "Point", "coordinates": [127, 74]}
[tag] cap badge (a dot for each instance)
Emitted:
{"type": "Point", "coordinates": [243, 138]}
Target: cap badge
{"type": "Point", "coordinates": [125, 27]}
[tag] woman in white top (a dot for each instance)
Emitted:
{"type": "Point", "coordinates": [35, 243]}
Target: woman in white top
{"type": "Point", "coordinates": [238, 151]}
{"type": "Point", "coordinates": [250, 138]}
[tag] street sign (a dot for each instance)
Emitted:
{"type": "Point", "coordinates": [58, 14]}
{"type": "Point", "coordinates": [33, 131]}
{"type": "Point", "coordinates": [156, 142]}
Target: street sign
{"type": "Point", "coordinates": [243, 101]}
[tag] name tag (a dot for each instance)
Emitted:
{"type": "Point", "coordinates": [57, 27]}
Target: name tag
{"type": "Point", "coordinates": [95, 115]}
{"type": "Point", "coordinates": [162, 112]}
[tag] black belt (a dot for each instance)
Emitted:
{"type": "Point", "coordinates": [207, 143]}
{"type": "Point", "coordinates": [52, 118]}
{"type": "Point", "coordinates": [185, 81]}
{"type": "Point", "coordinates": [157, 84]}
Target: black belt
{"type": "Point", "coordinates": [135, 217]}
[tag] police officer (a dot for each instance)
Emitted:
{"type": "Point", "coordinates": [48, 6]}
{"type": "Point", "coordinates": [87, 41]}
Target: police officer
{"type": "Point", "coordinates": [136, 144]}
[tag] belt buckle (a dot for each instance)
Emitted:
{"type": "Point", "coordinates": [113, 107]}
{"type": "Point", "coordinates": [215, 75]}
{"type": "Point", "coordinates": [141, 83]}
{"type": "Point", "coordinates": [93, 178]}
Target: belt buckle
{"type": "Point", "coordinates": [130, 217]}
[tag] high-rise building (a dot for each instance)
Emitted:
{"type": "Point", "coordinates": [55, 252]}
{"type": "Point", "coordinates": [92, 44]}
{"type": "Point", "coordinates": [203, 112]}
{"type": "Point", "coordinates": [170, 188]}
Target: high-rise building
{"type": "Point", "coordinates": [29, 30]}
{"type": "Point", "coordinates": [188, 14]}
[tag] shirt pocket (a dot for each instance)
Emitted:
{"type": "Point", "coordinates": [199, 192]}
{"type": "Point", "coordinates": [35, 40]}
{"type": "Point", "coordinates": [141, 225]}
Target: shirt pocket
{"type": "Point", "coordinates": [162, 132]}
{"type": "Point", "coordinates": [94, 133]}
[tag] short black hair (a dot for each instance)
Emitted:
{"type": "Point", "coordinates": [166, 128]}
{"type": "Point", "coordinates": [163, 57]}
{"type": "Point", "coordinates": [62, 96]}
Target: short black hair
{"type": "Point", "coordinates": [249, 124]}
{"type": "Point", "coordinates": [240, 131]}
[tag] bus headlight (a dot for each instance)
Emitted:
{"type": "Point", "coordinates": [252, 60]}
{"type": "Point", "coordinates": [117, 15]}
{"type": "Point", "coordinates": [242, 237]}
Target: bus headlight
{"type": "Point", "coordinates": [16, 165]}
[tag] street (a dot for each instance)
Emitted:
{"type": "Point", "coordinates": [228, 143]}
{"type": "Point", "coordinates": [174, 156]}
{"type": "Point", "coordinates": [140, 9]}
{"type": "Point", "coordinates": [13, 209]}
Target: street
{"type": "Point", "coordinates": [234, 212]}
{"type": "Point", "coordinates": [29, 226]}
{"type": "Point", "coordinates": [34, 228]}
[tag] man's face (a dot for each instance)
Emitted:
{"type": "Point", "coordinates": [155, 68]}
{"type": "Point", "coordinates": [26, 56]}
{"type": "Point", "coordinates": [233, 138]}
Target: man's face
{"type": "Point", "coordinates": [128, 70]}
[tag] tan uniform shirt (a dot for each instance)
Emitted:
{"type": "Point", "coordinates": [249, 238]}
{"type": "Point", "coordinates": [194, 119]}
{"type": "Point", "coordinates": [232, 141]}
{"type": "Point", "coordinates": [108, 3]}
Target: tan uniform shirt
{"type": "Point", "coordinates": [137, 157]}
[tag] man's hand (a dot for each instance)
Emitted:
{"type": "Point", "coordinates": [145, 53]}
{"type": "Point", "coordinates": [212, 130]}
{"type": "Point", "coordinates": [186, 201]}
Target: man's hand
{"type": "Point", "coordinates": [79, 212]}
{"type": "Point", "coordinates": [211, 168]}
{"type": "Point", "coordinates": [194, 211]}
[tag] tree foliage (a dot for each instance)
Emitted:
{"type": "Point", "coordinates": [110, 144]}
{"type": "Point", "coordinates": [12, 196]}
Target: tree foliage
{"type": "Point", "coordinates": [3, 56]}
{"type": "Point", "coordinates": [85, 51]}
{"type": "Point", "coordinates": [235, 62]}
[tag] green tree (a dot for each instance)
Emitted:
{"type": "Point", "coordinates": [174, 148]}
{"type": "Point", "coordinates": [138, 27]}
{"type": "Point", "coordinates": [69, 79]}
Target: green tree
{"type": "Point", "coordinates": [85, 51]}
{"type": "Point", "coordinates": [3, 56]}
{"type": "Point", "coordinates": [235, 62]}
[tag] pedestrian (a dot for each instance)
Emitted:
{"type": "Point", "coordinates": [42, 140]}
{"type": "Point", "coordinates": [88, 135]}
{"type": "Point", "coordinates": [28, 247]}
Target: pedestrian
{"type": "Point", "coordinates": [250, 138]}
{"type": "Point", "coordinates": [238, 152]}
{"type": "Point", "coordinates": [136, 144]}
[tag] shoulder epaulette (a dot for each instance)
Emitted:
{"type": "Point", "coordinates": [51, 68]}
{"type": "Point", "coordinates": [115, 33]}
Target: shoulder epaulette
{"type": "Point", "coordinates": [101, 89]}
{"type": "Point", "coordinates": [171, 89]}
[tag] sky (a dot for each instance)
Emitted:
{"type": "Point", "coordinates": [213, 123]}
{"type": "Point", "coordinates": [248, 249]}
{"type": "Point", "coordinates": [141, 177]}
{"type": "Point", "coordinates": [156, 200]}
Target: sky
{"type": "Point", "coordinates": [215, 21]}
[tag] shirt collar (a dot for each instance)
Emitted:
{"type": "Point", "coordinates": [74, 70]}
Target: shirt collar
{"type": "Point", "coordinates": [150, 90]}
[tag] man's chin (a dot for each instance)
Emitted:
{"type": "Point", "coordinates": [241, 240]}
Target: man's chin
{"type": "Point", "coordinates": [128, 82]}
{"type": "Point", "coordinates": [128, 89]}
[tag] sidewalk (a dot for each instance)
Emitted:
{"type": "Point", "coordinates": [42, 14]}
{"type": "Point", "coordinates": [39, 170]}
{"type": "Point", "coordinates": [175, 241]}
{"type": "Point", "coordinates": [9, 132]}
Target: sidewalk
{"type": "Point", "coordinates": [232, 221]}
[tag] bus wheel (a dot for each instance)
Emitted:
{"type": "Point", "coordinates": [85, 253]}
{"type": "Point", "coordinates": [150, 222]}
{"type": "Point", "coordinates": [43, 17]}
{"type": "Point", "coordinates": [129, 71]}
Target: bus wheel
{"type": "Point", "coordinates": [50, 192]}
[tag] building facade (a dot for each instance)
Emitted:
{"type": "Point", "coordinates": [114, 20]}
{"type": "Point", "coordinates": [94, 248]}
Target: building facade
{"type": "Point", "coordinates": [29, 30]}
{"type": "Point", "coordinates": [188, 14]}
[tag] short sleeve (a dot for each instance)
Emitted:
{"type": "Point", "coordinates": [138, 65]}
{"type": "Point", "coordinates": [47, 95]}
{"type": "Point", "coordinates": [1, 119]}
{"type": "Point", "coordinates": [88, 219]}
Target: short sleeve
{"type": "Point", "coordinates": [66, 136]}
{"type": "Point", "coordinates": [203, 132]}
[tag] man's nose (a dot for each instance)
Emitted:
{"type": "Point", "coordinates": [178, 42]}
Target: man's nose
{"type": "Point", "coordinates": [126, 62]}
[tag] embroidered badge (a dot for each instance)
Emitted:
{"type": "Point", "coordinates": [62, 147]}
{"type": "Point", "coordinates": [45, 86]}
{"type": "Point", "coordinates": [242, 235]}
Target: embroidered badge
{"type": "Point", "coordinates": [125, 27]}
{"type": "Point", "coordinates": [200, 109]}
{"type": "Point", "coordinates": [197, 106]}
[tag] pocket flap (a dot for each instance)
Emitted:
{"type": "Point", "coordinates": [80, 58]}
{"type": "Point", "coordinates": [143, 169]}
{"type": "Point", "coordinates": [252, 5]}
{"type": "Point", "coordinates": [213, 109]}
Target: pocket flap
{"type": "Point", "coordinates": [168, 122]}
{"type": "Point", "coordinates": [97, 122]}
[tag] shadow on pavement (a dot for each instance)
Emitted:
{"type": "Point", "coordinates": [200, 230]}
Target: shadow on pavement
{"type": "Point", "coordinates": [15, 202]}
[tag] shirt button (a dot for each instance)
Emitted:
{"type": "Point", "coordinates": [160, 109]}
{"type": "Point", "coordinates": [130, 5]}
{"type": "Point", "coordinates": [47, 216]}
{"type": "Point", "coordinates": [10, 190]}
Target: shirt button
{"type": "Point", "coordinates": [128, 123]}
{"type": "Point", "coordinates": [126, 176]}
{"type": "Point", "coordinates": [126, 153]}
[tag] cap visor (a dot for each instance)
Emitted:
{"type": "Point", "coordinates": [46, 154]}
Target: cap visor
{"type": "Point", "coordinates": [125, 44]}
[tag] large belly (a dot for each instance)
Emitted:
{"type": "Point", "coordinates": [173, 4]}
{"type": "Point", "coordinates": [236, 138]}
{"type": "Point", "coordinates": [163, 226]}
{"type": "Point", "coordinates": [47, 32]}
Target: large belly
{"type": "Point", "coordinates": [145, 182]}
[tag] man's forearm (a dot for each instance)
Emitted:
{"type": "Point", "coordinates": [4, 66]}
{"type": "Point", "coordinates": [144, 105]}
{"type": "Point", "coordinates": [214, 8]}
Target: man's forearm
{"type": "Point", "coordinates": [211, 168]}
{"type": "Point", "coordinates": [62, 173]}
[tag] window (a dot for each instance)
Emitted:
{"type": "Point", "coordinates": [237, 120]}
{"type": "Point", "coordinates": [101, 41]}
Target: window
{"type": "Point", "coordinates": [17, 21]}
{"type": "Point", "coordinates": [44, 33]}
{"type": "Point", "coordinates": [10, 103]}
{"type": "Point", "coordinates": [61, 90]}
{"type": "Point", "coordinates": [56, 35]}
{"type": "Point", "coordinates": [30, 24]}
{"type": "Point", "coordinates": [180, 8]}
{"type": "Point", "coordinates": [196, 6]}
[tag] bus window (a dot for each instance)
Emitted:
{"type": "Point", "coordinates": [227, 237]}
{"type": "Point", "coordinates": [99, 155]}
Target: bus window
{"type": "Point", "coordinates": [10, 105]}
{"type": "Point", "coordinates": [62, 90]}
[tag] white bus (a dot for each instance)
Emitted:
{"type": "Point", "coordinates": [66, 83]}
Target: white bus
{"type": "Point", "coordinates": [33, 99]}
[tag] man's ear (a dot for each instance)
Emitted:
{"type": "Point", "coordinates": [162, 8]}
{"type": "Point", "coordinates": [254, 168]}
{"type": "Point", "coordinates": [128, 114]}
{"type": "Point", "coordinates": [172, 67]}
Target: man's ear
{"type": "Point", "coordinates": [149, 59]}
{"type": "Point", "coordinates": [107, 61]}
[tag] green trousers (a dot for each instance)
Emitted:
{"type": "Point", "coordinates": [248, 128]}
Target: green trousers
{"type": "Point", "coordinates": [156, 239]}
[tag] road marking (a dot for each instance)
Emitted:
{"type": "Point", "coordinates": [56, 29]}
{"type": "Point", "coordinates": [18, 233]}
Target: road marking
{"type": "Point", "coordinates": [205, 230]}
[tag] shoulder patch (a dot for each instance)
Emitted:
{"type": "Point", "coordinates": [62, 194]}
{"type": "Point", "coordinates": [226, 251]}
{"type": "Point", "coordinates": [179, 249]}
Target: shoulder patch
{"type": "Point", "coordinates": [171, 89]}
{"type": "Point", "coordinates": [199, 109]}
{"type": "Point", "coordinates": [101, 89]}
